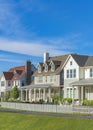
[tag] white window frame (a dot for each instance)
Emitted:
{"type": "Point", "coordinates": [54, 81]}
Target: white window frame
{"type": "Point", "coordinates": [91, 72]}
{"type": "Point", "coordinates": [52, 67]}
{"type": "Point", "coordinates": [2, 83]}
{"type": "Point", "coordinates": [40, 79]}
{"type": "Point", "coordinates": [52, 78]}
{"type": "Point", "coordinates": [71, 73]}
{"type": "Point", "coordinates": [39, 69]}
{"type": "Point", "coordinates": [46, 68]}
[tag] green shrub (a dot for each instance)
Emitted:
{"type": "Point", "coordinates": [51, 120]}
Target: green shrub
{"type": "Point", "coordinates": [15, 93]}
{"type": "Point", "coordinates": [55, 99]}
{"type": "Point", "coordinates": [63, 100]}
{"type": "Point", "coordinates": [69, 100]}
{"type": "Point", "coordinates": [91, 102]}
{"type": "Point", "coordinates": [87, 102]}
{"type": "Point", "coordinates": [66, 100]}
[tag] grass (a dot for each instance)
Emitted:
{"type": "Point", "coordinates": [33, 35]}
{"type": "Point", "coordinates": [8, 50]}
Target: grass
{"type": "Point", "coordinates": [14, 121]}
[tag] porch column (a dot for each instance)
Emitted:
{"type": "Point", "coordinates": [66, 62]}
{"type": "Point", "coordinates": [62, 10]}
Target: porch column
{"type": "Point", "coordinates": [39, 93]}
{"type": "Point", "coordinates": [34, 94]}
{"type": "Point", "coordinates": [73, 95]}
{"type": "Point", "coordinates": [26, 94]}
{"type": "Point", "coordinates": [21, 95]}
{"type": "Point", "coordinates": [44, 94]}
{"type": "Point", "coordinates": [79, 94]}
{"type": "Point", "coordinates": [49, 95]}
{"type": "Point", "coordinates": [82, 93]}
{"type": "Point", "coordinates": [30, 95]}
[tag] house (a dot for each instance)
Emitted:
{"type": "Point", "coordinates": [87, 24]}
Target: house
{"type": "Point", "coordinates": [48, 78]}
{"type": "Point", "coordinates": [18, 76]}
{"type": "Point", "coordinates": [78, 77]}
{"type": "Point", "coordinates": [68, 76]}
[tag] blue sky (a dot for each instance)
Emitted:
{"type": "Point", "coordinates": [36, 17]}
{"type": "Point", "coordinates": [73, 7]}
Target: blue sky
{"type": "Point", "coordinates": [28, 28]}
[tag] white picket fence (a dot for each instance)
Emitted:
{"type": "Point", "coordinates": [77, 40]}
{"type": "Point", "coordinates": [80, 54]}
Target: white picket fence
{"type": "Point", "coordinates": [48, 107]}
{"type": "Point", "coordinates": [38, 107]}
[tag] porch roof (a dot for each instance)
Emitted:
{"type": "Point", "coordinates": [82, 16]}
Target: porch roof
{"type": "Point", "coordinates": [83, 82]}
{"type": "Point", "coordinates": [36, 86]}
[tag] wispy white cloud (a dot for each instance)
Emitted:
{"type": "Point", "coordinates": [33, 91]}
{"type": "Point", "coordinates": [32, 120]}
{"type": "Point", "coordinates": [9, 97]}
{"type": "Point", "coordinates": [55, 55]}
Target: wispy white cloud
{"type": "Point", "coordinates": [10, 24]}
{"type": "Point", "coordinates": [10, 60]}
{"type": "Point", "coordinates": [56, 46]}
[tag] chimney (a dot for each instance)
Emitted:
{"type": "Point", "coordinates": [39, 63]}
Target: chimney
{"type": "Point", "coordinates": [28, 72]}
{"type": "Point", "coordinates": [46, 56]}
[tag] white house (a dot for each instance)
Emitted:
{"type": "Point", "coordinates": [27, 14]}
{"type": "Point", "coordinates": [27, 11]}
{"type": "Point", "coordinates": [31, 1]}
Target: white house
{"type": "Point", "coordinates": [78, 77]}
{"type": "Point", "coordinates": [18, 76]}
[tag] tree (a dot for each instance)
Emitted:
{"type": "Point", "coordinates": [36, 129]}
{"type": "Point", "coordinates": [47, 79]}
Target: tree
{"type": "Point", "coordinates": [15, 93]}
{"type": "Point", "coordinates": [56, 98]}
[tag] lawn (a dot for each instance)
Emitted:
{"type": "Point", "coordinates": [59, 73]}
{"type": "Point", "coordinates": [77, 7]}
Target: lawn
{"type": "Point", "coordinates": [14, 121]}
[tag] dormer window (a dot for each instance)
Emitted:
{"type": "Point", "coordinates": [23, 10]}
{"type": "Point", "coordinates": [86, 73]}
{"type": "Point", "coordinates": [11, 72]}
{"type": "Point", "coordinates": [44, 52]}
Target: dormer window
{"type": "Point", "coordinates": [39, 69]}
{"type": "Point", "coordinates": [52, 67]}
{"type": "Point", "coordinates": [46, 68]}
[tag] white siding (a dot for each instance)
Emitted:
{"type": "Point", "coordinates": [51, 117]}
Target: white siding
{"type": "Point", "coordinates": [68, 81]}
{"type": "Point", "coordinates": [87, 73]}
{"type": "Point", "coordinates": [81, 73]}
{"type": "Point", "coordinates": [2, 88]}
{"type": "Point", "coordinates": [73, 66]}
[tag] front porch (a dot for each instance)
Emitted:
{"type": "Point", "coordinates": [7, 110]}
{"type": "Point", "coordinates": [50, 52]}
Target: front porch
{"type": "Point", "coordinates": [85, 89]}
{"type": "Point", "coordinates": [34, 93]}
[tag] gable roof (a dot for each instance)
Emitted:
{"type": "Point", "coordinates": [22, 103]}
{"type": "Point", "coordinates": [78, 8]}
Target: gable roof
{"type": "Point", "coordinates": [8, 75]}
{"type": "Point", "coordinates": [17, 68]}
{"type": "Point", "coordinates": [89, 61]}
{"type": "Point", "coordinates": [80, 59]}
{"type": "Point", "coordinates": [57, 60]}
{"type": "Point", "coordinates": [14, 73]}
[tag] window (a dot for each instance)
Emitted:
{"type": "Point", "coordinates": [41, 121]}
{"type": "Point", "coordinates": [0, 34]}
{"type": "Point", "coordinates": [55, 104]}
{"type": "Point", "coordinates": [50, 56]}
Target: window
{"type": "Point", "coordinates": [74, 73]}
{"type": "Point", "coordinates": [9, 83]}
{"type": "Point", "coordinates": [45, 78]}
{"type": "Point", "coordinates": [40, 79]}
{"type": "Point", "coordinates": [52, 78]}
{"type": "Point", "coordinates": [2, 94]}
{"type": "Point", "coordinates": [39, 69]}
{"type": "Point", "coordinates": [70, 62]}
{"type": "Point", "coordinates": [67, 73]}
{"type": "Point", "coordinates": [71, 73]}
{"type": "Point", "coordinates": [22, 83]}
{"type": "Point", "coordinates": [52, 67]}
{"type": "Point", "coordinates": [46, 68]}
{"type": "Point", "coordinates": [2, 83]}
{"type": "Point", "coordinates": [91, 72]}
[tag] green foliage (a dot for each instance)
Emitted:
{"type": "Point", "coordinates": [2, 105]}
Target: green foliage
{"type": "Point", "coordinates": [87, 102]}
{"type": "Point", "coordinates": [66, 100]}
{"type": "Point", "coordinates": [15, 93]}
{"type": "Point", "coordinates": [55, 99]}
{"type": "Point", "coordinates": [69, 100]}
{"type": "Point", "coordinates": [6, 97]}
{"type": "Point", "coordinates": [63, 100]}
